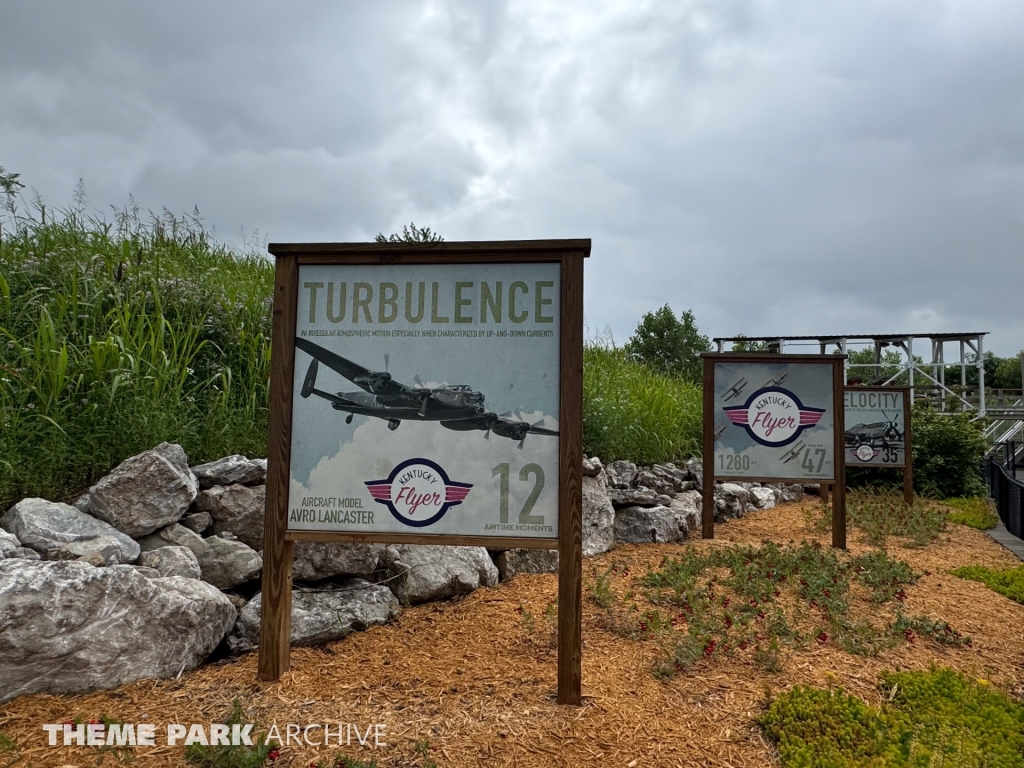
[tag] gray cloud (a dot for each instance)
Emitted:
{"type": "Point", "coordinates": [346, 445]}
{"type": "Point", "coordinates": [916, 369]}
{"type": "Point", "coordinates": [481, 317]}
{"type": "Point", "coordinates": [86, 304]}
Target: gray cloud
{"type": "Point", "coordinates": [779, 167]}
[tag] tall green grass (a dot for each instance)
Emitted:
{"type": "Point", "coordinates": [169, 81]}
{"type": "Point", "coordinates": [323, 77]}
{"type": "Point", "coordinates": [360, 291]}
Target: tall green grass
{"type": "Point", "coordinates": [115, 336]}
{"type": "Point", "coordinates": [631, 412]}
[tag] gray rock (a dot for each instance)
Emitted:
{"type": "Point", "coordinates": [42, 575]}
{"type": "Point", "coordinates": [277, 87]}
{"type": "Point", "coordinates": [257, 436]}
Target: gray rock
{"type": "Point", "coordinates": [513, 561]}
{"type": "Point", "coordinates": [175, 454]}
{"type": "Point", "coordinates": [591, 467]}
{"type": "Point", "coordinates": [231, 470]}
{"type": "Point", "coordinates": [8, 542]}
{"type": "Point", "coordinates": [149, 573]}
{"type": "Point", "coordinates": [792, 493]}
{"type": "Point", "coordinates": [633, 497]}
{"type": "Point", "coordinates": [226, 564]}
{"type": "Point", "coordinates": [172, 561]}
{"type": "Point", "coordinates": [735, 498]}
{"type": "Point", "coordinates": [197, 522]}
{"type": "Point", "coordinates": [655, 481]}
{"type": "Point", "coordinates": [620, 474]}
{"type": "Point", "coordinates": [696, 470]}
{"type": "Point", "coordinates": [663, 499]}
{"type": "Point", "coordinates": [425, 572]}
{"type": "Point", "coordinates": [598, 517]}
{"type": "Point", "coordinates": [145, 492]}
{"type": "Point", "coordinates": [812, 489]}
{"type": "Point", "coordinates": [23, 553]}
{"type": "Point", "coordinates": [66, 627]}
{"type": "Point", "coordinates": [82, 504]}
{"type": "Point", "coordinates": [48, 527]}
{"type": "Point", "coordinates": [237, 600]}
{"type": "Point", "coordinates": [102, 550]}
{"type": "Point", "coordinates": [238, 509]}
{"type": "Point", "coordinates": [315, 560]}
{"type": "Point", "coordinates": [762, 498]}
{"type": "Point", "coordinates": [174, 535]}
{"type": "Point", "coordinates": [320, 615]}
{"type": "Point", "coordinates": [648, 525]}
{"type": "Point", "coordinates": [688, 505]}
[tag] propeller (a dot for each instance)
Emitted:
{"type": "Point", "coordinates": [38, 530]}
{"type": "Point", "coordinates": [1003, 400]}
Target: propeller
{"type": "Point", "coordinates": [418, 381]}
{"type": "Point", "coordinates": [387, 361]}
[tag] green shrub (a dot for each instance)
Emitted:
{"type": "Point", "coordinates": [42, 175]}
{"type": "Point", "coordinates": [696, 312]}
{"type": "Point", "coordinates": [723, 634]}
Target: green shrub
{"type": "Point", "coordinates": [947, 453]}
{"type": "Point", "coordinates": [1005, 581]}
{"type": "Point", "coordinates": [974, 512]}
{"type": "Point", "coordinates": [936, 718]}
{"type": "Point", "coordinates": [115, 337]}
{"type": "Point", "coordinates": [631, 412]}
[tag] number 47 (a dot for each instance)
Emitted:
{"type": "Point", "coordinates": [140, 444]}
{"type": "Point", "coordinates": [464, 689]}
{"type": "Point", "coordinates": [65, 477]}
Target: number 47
{"type": "Point", "coordinates": [525, 518]}
{"type": "Point", "coordinates": [808, 462]}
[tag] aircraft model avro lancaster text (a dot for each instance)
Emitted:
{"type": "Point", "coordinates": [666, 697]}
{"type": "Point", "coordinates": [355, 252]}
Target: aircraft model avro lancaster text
{"type": "Point", "coordinates": [458, 407]}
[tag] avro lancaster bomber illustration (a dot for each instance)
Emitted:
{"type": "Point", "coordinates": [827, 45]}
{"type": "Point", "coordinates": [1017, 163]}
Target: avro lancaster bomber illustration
{"type": "Point", "coordinates": [457, 406]}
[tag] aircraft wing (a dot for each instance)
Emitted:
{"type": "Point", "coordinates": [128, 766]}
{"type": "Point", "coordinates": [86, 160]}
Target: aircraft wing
{"type": "Point", "coordinates": [348, 369]}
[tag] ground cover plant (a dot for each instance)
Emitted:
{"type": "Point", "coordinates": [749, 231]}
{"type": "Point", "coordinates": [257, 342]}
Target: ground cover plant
{"type": "Point", "coordinates": [117, 336]}
{"type": "Point", "coordinates": [934, 718]}
{"type": "Point", "coordinates": [632, 412]}
{"type": "Point", "coordinates": [759, 600]}
{"type": "Point", "coordinates": [1005, 581]}
{"type": "Point", "coordinates": [974, 511]}
{"type": "Point", "coordinates": [879, 513]}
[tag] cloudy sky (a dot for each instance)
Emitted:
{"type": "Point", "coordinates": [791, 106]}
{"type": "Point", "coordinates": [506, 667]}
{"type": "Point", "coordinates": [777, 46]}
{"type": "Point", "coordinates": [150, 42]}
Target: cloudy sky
{"type": "Point", "coordinates": [778, 166]}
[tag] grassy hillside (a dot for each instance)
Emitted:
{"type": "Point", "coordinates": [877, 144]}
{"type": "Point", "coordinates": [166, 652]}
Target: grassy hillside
{"type": "Point", "coordinates": [116, 336]}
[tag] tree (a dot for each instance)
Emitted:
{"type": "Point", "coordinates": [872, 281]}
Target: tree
{"type": "Point", "coordinates": [668, 344]}
{"type": "Point", "coordinates": [862, 366]}
{"type": "Point", "coordinates": [411, 234]}
{"type": "Point", "coordinates": [743, 344]}
{"type": "Point", "coordinates": [1008, 374]}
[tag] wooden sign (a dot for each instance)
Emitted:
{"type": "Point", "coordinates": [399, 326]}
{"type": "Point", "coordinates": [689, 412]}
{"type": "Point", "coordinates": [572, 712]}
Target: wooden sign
{"type": "Point", "coordinates": [426, 393]}
{"type": "Point", "coordinates": [774, 418]}
{"type": "Point", "coordinates": [877, 432]}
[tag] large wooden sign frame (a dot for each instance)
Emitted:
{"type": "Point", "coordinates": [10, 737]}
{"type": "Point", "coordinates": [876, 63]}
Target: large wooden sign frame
{"type": "Point", "coordinates": [275, 623]}
{"type": "Point", "coordinates": [742, 395]}
{"type": "Point", "coordinates": [907, 464]}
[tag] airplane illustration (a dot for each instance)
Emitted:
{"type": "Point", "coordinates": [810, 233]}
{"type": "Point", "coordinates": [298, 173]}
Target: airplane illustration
{"type": "Point", "coordinates": [719, 429]}
{"type": "Point", "coordinates": [883, 432]}
{"type": "Point", "coordinates": [793, 453]}
{"type": "Point", "coordinates": [735, 389]}
{"type": "Point", "coordinates": [458, 407]}
{"type": "Point", "coordinates": [776, 380]}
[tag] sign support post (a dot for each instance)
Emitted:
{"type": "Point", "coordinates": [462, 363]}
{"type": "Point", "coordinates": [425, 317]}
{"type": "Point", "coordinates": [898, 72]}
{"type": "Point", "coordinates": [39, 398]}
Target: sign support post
{"type": "Point", "coordinates": [520, 299]}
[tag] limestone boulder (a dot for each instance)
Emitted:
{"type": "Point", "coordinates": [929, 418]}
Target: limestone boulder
{"type": "Point", "coordinates": [175, 535]}
{"type": "Point", "coordinates": [592, 466]}
{"type": "Point", "coordinates": [67, 627]}
{"type": "Point", "coordinates": [8, 542]}
{"type": "Point", "coordinates": [316, 560]}
{"type": "Point", "coordinates": [648, 525]}
{"type": "Point", "coordinates": [236, 508]}
{"type": "Point", "coordinates": [655, 481]}
{"type": "Point", "coordinates": [513, 561]}
{"type": "Point", "coordinates": [422, 572]}
{"type": "Point", "coordinates": [733, 498]}
{"type": "Point", "coordinates": [696, 470]}
{"type": "Point", "coordinates": [197, 522]}
{"type": "Point", "coordinates": [688, 505]}
{"type": "Point", "coordinates": [633, 497]}
{"type": "Point", "coordinates": [61, 532]}
{"type": "Point", "coordinates": [320, 615]}
{"type": "Point", "coordinates": [226, 563]}
{"type": "Point", "coordinates": [172, 561]}
{"type": "Point", "coordinates": [145, 492]}
{"type": "Point", "coordinates": [762, 498]}
{"type": "Point", "coordinates": [231, 470]}
{"type": "Point", "coordinates": [598, 516]}
{"type": "Point", "coordinates": [620, 474]}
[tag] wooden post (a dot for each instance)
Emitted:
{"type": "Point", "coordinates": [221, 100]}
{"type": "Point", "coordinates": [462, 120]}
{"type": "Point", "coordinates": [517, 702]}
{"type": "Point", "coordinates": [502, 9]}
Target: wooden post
{"type": "Point", "coordinates": [839, 451]}
{"type": "Point", "coordinates": [570, 488]}
{"type": "Point", "coordinates": [823, 492]}
{"type": "Point", "coordinates": [707, 513]}
{"type": "Point", "coordinates": [276, 610]}
{"type": "Point", "coordinates": [908, 460]}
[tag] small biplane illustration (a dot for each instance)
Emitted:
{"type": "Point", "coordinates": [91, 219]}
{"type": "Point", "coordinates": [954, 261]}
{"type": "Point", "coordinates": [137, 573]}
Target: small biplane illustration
{"type": "Point", "coordinates": [719, 429]}
{"type": "Point", "coordinates": [878, 433]}
{"type": "Point", "coordinates": [793, 453]}
{"type": "Point", "coordinates": [735, 389]}
{"type": "Point", "coordinates": [776, 381]}
{"type": "Point", "coordinates": [458, 407]}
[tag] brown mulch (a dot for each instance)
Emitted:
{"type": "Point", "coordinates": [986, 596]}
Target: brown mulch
{"type": "Point", "coordinates": [469, 676]}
